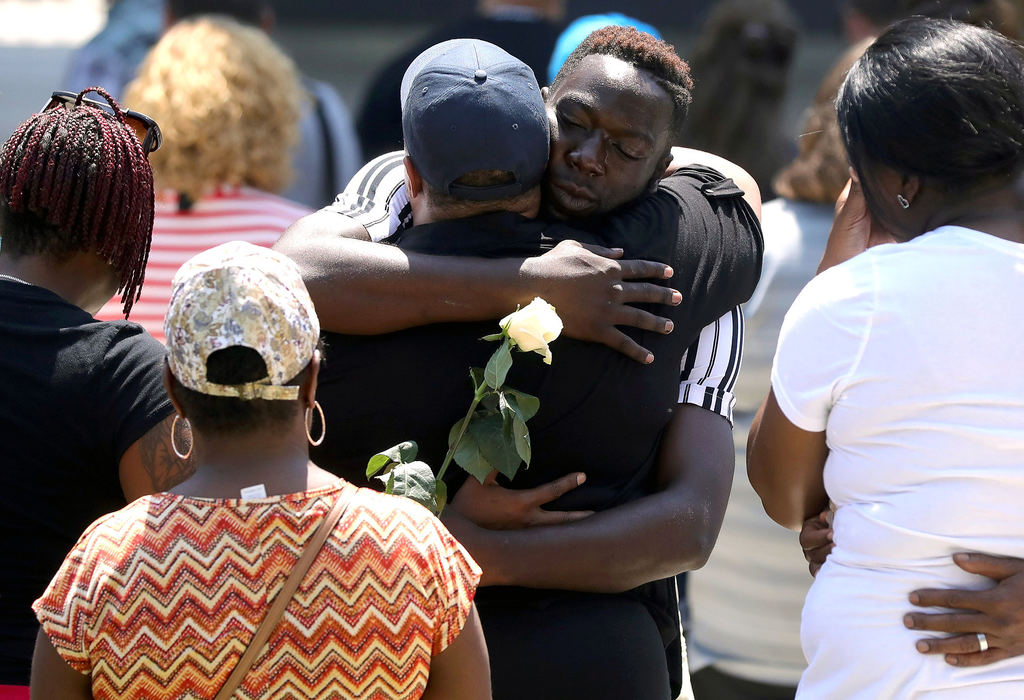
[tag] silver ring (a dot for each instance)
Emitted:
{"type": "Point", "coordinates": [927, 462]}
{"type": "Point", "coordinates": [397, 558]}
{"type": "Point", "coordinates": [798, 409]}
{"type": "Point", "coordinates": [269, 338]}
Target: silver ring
{"type": "Point", "coordinates": [982, 641]}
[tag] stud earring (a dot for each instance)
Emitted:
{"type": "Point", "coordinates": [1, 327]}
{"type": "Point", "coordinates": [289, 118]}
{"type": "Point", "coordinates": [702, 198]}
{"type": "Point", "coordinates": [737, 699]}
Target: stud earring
{"type": "Point", "coordinates": [903, 201]}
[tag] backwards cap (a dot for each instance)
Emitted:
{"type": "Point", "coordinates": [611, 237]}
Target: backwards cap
{"type": "Point", "coordinates": [469, 105]}
{"type": "Point", "coordinates": [240, 294]}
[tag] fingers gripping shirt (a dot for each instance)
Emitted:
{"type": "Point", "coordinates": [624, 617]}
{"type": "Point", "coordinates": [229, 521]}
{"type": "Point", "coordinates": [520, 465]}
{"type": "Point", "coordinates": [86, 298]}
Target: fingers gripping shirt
{"type": "Point", "coordinates": [376, 198]}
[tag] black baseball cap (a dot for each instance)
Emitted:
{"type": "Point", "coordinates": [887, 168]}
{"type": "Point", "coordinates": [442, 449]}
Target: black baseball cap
{"type": "Point", "coordinates": [469, 105]}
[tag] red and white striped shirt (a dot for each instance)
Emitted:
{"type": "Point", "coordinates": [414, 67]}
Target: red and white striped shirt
{"type": "Point", "coordinates": [227, 214]}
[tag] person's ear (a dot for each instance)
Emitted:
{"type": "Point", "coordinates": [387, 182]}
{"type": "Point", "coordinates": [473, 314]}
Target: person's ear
{"type": "Point", "coordinates": [307, 390]}
{"type": "Point", "coordinates": [413, 180]}
{"type": "Point", "coordinates": [171, 387]}
{"type": "Point", "coordinates": [911, 187]}
{"type": "Point", "coordinates": [659, 171]}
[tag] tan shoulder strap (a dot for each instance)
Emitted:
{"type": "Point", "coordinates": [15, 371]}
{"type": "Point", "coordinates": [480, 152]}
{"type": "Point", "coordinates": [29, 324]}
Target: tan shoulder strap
{"type": "Point", "coordinates": [269, 623]}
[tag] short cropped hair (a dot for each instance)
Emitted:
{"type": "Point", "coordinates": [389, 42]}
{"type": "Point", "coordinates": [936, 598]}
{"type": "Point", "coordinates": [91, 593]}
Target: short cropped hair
{"type": "Point", "coordinates": [77, 180]}
{"type": "Point", "coordinates": [643, 51]}
{"type": "Point", "coordinates": [451, 207]}
{"type": "Point", "coordinates": [228, 102]}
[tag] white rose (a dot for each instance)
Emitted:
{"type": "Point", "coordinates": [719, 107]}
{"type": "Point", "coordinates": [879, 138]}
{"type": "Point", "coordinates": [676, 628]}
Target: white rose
{"type": "Point", "coordinates": [533, 327]}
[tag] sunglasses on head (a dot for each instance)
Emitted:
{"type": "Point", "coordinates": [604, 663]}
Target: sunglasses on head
{"type": "Point", "coordinates": [146, 130]}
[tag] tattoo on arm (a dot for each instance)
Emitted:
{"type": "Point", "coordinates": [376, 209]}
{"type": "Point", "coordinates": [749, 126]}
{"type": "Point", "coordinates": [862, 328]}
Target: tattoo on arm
{"type": "Point", "coordinates": [164, 468]}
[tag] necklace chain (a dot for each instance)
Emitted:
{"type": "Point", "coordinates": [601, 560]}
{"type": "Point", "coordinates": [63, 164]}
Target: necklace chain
{"type": "Point", "coordinates": [14, 279]}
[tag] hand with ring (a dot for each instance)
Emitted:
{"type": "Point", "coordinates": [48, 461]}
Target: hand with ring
{"type": "Point", "coordinates": [986, 626]}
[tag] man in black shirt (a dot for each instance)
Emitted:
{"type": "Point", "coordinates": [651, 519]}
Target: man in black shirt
{"type": "Point", "coordinates": [600, 412]}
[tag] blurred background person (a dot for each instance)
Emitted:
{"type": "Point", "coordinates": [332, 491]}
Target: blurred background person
{"type": "Point", "coordinates": [740, 64]}
{"type": "Point", "coordinates": [327, 154]}
{"type": "Point", "coordinates": [580, 28]}
{"type": "Point", "coordinates": [163, 598]}
{"type": "Point", "coordinates": [228, 101]}
{"type": "Point", "coordinates": [864, 19]}
{"type": "Point", "coordinates": [744, 633]}
{"type": "Point", "coordinates": [111, 57]}
{"type": "Point", "coordinates": [527, 29]}
{"type": "Point", "coordinates": [897, 390]}
{"type": "Point", "coordinates": [84, 419]}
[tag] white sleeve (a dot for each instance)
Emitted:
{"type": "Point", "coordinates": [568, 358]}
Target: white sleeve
{"type": "Point", "coordinates": [711, 365]}
{"type": "Point", "coordinates": [821, 343]}
{"type": "Point", "coordinates": [376, 197]}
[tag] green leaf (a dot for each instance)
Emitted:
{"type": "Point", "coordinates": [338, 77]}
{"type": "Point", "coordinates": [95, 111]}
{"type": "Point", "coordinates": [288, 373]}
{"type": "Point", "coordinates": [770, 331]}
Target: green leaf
{"type": "Point", "coordinates": [453, 434]}
{"type": "Point", "coordinates": [488, 404]}
{"type": "Point", "coordinates": [477, 375]}
{"type": "Point", "coordinates": [415, 480]}
{"type": "Point", "coordinates": [524, 404]}
{"type": "Point", "coordinates": [389, 481]}
{"type": "Point", "coordinates": [521, 436]}
{"type": "Point", "coordinates": [493, 336]}
{"type": "Point", "coordinates": [401, 453]}
{"type": "Point", "coordinates": [498, 366]}
{"type": "Point", "coordinates": [471, 459]}
{"type": "Point", "coordinates": [487, 449]}
{"type": "Point", "coordinates": [440, 496]}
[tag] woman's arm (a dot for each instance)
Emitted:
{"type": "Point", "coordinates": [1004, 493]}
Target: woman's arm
{"type": "Point", "coordinates": [52, 678]}
{"type": "Point", "coordinates": [785, 465]}
{"type": "Point", "coordinates": [462, 671]}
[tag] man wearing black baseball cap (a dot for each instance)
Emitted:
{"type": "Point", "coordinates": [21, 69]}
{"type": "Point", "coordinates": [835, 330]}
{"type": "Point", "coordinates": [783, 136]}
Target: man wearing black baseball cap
{"type": "Point", "coordinates": [476, 142]}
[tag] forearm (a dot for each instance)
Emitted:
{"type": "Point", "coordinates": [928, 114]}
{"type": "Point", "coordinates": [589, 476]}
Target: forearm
{"type": "Point", "coordinates": [657, 536]}
{"type": "Point", "coordinates": [366, 288]}
{"type": "Point", "coordinates": [612, 551]}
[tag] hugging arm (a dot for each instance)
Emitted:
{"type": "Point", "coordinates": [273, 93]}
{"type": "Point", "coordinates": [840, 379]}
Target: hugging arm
{"type": "Point", "coordinates": [654, 537]}
{"type": "Point", "coordinates": [686, 156]}
{"type": "Point", "coordinates": [365, 288]}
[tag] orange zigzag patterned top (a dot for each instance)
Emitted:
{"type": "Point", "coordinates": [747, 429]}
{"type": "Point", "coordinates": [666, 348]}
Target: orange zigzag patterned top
{"type": "Point", "coordinates": [161, 598]}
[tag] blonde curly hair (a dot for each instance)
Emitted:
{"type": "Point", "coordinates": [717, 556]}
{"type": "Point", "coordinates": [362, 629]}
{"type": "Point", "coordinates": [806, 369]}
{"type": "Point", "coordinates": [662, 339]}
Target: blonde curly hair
{"type": "Point", "coordinates": [228, 102]}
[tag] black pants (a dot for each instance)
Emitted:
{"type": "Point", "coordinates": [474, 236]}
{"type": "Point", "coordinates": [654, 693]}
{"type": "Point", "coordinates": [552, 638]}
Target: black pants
{"type": "Point", "coordinates": [585, 647]}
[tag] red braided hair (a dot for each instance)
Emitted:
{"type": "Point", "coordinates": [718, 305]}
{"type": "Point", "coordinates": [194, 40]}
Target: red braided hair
{"type": "Point", "coordinates": [78, 180]}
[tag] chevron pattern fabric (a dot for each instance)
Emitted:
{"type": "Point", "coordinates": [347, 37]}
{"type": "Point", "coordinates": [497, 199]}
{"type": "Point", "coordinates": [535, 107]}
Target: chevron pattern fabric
{"type": "Point", "coordinates": [160, 599]}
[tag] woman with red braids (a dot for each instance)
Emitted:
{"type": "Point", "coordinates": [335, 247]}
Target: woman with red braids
{"type": "Point", "coordinates": [84, 419]}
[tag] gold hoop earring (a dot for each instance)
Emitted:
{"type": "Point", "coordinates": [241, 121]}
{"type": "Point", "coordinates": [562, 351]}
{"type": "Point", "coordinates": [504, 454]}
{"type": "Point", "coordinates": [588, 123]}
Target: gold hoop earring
{"type": "Point", "coordinates": [309, 424]}
{"type": "Point", "coordinates": [174, 443]}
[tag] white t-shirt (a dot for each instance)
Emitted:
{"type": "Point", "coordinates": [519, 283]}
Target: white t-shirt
{"type": "Point", "coordinates": [908, 358]}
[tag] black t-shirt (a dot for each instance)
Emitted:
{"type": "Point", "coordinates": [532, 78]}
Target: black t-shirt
{"type": "Point", "coordinates": [75, 393]}
{"type": "Point", "coordinates": [601, 412]}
